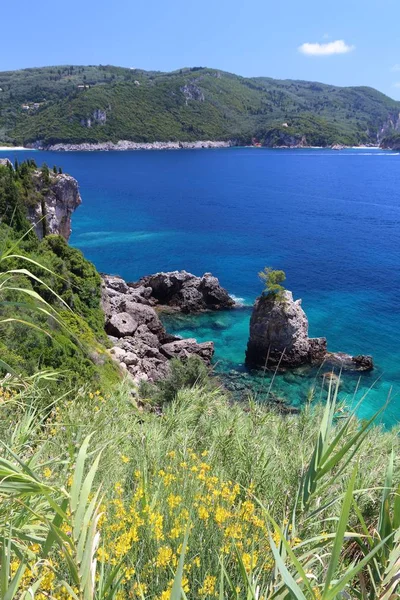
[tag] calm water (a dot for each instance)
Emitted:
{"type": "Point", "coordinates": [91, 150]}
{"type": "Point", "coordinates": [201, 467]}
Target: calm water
{"type": "Point", "coordinates": [330, 219]}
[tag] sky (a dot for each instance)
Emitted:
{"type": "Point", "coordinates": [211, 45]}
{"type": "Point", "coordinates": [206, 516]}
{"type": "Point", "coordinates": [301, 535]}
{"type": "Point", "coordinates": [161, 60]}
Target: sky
{"type": "Point", "coordinates": [342, 42]}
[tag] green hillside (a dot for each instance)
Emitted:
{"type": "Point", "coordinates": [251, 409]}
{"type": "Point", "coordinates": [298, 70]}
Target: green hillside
{"type": "Point", "coordinates": [76, 104]}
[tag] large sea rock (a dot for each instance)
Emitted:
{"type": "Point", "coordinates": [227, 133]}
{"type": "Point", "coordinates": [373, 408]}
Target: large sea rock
{"type": "Point", "coordinates": [279, 338]}
{"type": "Point", "coordinates": [185, 292]}
{"type": "Point", "coordinates": [140, 343]}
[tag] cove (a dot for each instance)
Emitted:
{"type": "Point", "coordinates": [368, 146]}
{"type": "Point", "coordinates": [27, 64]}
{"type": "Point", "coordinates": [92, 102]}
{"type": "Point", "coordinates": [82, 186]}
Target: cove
{"type": "Point", "coordinates": [330, 219]}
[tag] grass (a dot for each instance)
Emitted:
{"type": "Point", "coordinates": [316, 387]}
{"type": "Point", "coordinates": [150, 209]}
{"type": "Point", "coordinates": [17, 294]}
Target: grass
{"type": "Point", "coordinates": [235, 479]}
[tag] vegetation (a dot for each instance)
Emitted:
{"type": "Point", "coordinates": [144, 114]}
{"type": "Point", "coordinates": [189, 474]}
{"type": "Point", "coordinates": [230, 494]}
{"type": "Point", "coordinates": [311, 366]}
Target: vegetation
{"type": "Point", "coordinates": [62, 278]}
{"type": "Point", "coordinates": [272, 280]}
{"type": "Point", "coordinates": [75, 104]}
{"type": "Point", "coordinates": [100, 498]}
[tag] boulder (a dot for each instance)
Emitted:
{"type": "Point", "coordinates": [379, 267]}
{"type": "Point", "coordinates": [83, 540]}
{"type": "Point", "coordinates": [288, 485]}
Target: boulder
{"type": "Point", "coordinates": [182, 349]}
{"type": "Point", "coordinates": [120, 325]}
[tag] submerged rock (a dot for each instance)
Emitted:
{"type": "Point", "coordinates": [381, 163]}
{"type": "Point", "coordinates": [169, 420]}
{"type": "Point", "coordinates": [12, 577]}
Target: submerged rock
{"type": "Point", "coordinates": [279, 338]}
{"type": "Point", "coordinates": [183, 291]}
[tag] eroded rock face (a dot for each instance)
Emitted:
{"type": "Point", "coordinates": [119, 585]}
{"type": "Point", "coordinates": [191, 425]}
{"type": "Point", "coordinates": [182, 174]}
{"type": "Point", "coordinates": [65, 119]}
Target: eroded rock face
{"type": "Point", "coordinates": [279, 337]}
{"type": "Point", "coordinates": [186, 292]}
{"type": "Point", "coordinates": [57, 200]}
{"type": "Point", "coordinates": [141, 344]}
{"type": "Point", "coordinates": [279, 334]}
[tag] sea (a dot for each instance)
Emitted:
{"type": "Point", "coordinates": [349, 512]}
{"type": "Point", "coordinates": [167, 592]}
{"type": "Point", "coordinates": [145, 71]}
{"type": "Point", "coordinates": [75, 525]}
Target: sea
{"type": "Point", "coordinates": [329, 219]}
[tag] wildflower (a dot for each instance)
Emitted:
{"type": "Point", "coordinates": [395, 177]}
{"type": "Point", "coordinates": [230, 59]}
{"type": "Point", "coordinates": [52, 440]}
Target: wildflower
{"type": "Point", "coordinates": [164, 556]}
{"type": "Point", "coordinates": [124, 458]}
{"type": "Point", "coordinates": [203, 513]}
{"type": "Point", "coordinates": [174, 501]}
{"type": "Point", "coordinates": [47, 473]}
{"type": "Point", "coordinates": [208, 586]}
{"type": "Point", "coordinates": [221, 515]}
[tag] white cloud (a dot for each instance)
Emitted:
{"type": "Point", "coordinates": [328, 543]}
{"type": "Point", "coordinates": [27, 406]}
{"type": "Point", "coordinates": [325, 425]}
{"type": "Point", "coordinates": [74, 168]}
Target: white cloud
{"type": "Point", "coordinates": [395, 68]}
{"type": "Point", "coordinates": [397, 84]}
{"type": "Point", "coordinates": [336, 47]}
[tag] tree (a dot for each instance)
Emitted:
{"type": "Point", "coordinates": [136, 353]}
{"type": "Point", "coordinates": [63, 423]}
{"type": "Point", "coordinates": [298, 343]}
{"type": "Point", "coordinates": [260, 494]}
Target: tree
{"type": "Point", "coordinates": [55, 169]}
{"type": "Point", "coordinates": [272, 279]}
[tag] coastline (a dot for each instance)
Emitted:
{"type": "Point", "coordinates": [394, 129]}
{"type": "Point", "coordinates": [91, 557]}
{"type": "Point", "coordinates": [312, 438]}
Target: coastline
{"type": "Point", "coordinates": [7, 148]}
{"type": "Point", "coordinates": [124, 145]}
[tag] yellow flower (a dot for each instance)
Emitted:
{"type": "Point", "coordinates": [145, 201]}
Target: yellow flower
{"type": "Point", "coordinates": [124, 458]}
{"type": "Point", "coordinates": [164, 556]}
{"type": "Point", "coordinates": [221, 515]}
{"type": "Point", "coordinates": [174, 501]}
{"type": "Point", "coordinates": [203, 513]}
{"type": "Point", "coordinates": [208, 587]}
{"type": "Point", "coordinates": [47, 473]}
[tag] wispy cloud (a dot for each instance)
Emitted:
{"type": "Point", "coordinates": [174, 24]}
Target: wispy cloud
{"type": "Point", "coordinates": [395, 68]}
{"type": "Point", "coordinates": [397, 84]}
{"type": "Point", "coordinates": [336, 47]}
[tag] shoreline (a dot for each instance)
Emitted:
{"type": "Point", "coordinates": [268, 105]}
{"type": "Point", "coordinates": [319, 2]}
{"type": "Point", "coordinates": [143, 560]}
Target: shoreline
{"type": "Point", "coordinates": [7, 148]}
{"type": "Point", "coordinates": [126, 145]}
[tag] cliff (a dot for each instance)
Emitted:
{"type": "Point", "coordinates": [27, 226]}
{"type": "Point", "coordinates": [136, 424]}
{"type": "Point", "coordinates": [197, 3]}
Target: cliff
{"type": "Point", "coordinates": [57, 198]}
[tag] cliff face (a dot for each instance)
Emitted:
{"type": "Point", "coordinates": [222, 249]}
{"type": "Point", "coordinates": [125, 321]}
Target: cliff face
{"type": "Point", "coordinates": [57, 199]}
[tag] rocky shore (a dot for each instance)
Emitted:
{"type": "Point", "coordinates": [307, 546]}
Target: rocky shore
{"type": "Point", "coordinates": [140, 343]}
{"type": "Point", "coordinates": [128, 145]}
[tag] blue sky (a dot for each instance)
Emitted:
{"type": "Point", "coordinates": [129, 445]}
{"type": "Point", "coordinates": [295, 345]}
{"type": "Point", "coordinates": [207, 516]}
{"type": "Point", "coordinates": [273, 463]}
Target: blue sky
{"type": "Point", "coordinates": [352, 42]}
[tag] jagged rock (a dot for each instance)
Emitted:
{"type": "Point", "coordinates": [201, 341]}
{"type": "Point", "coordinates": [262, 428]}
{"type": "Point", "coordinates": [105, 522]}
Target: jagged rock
{"type": "Point", "coordinates": [279, 337]}
{"type": "Point", "coordinates": [184, 348]}
{"type": "Point", "coordinates": [140, 341]}
{"type": "Point", "coordinates": [60, 198]}
{"type": "Point", "coordinates": [186, 292]}
{"type": "Point", "coordinates": [346, 362]}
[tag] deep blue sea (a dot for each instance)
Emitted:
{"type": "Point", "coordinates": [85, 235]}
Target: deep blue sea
{"type": "Point", "coordinates": [330, 219]}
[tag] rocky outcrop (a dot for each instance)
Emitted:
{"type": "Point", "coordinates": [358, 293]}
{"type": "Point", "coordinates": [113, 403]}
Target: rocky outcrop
{"type": "Point", "coordinates": [128, 145]}
{"type": "Point", "coordinates": [140, 343]}
{"type": "Point", "coordinates": [183, 291]}
{"type": "Point", "coordinates": [279, 334]}
{"type": "Point", "coordinates": [279, 338]}
{"type": "Point", "coordinates": [57, 199]}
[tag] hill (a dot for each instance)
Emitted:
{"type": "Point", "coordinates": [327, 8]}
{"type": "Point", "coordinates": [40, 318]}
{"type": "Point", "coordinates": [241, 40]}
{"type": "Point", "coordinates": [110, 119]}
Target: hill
{"type": "Point", "coordinates": [76, 104]}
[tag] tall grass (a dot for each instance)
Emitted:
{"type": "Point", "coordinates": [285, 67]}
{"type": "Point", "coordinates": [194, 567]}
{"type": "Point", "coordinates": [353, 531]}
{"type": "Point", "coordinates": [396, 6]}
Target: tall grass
{"type": "Point", "coordinates": [98, 496]}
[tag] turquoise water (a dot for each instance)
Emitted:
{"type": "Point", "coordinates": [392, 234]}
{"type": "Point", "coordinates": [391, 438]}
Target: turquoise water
{"type": "Point", "coordinates": [330, 219]}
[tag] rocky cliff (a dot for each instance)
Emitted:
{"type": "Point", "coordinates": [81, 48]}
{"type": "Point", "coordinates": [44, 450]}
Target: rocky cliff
{"type": "Point", "coordinates": [279, 338]}
{"type": "Point", "coordinates": [57, 196]}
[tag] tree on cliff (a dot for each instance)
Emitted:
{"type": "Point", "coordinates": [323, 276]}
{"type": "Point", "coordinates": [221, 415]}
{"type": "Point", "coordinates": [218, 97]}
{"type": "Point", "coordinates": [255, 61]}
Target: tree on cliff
{"type": "Point", "coordinates": [272, 280]}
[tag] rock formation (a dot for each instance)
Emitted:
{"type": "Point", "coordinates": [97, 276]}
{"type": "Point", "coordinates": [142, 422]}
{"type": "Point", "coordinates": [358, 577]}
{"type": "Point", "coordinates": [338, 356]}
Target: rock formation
{"type": "Point", "coordinates": [140, 343]}
{"type": "Point", "coordinates": [279, 337]}
{"type": "Point", "coordinates": [180, 290]}
{"type": "Point", "coordinates": [57, 200]}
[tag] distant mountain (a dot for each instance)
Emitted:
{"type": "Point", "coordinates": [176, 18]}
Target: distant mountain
{"type": "Point", "coordinates": [76, 104]}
